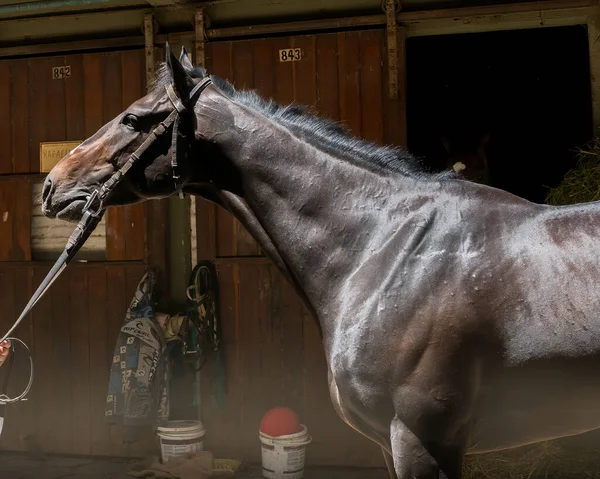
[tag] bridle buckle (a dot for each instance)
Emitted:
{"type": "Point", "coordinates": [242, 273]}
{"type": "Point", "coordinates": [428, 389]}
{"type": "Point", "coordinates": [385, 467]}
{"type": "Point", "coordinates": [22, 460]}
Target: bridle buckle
{"type": "Point", "coordinates": [90, 200]}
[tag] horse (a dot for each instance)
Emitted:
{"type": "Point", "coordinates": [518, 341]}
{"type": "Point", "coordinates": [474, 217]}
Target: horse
{"type": "Point", "coordinates": [456, 318]}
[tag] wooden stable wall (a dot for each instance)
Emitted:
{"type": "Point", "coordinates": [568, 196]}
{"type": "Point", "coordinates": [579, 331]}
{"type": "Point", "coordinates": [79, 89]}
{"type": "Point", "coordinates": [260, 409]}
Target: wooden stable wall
{"type": "Point", "coordinates": [272, 346]}
{"type": "Point", "coordinates": [72, 331]}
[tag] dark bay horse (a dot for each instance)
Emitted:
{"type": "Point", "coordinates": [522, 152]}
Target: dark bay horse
{"type": "Point", "coordinates": [456, 318]}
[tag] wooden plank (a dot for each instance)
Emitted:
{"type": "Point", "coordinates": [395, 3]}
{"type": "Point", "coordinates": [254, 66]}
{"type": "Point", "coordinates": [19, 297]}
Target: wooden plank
{"type": "Point", "coordinates": [206, 217]}
{"type": "Point", "coordinates": [60, 397]}
{"type": "Point", "coordinates": [94, 93]}
{"type": "Point", "coordinates": [55, 112]}
{"type": "Point", "coordinates": [497, 10]}
{"type": "Point", "coordinates": [100, 358]}
{"type": "Point", "coordinates": [7, 211]}
{"type": "Point", "coordinates": [44, 392]}
{"type": "Point", "coordinates": [199, 37]}
{"type": "Point", "coordinates": [370, 45]}
{"type": "Point", "coordinates": [75, 100]}
{"type": "Point", "coordinates": [264, 67]}
{"type": "Point", "coordinates": [132, 67]}
{"type": "Point", "coordinates": [402, 91]}
{"type": "Point", "coordinates": [81, 400]}
{"type": "Point", "coordinates": [305, 72]}
{"type": "Point", "coordinates": [6, 166]}
{"type": "Point", "coordinates": [23, 414]}
{"type": "Point", "coordinates": [271, 349]}
{"type": "Point", "coordinates": [492, 20]}
{"type": "Point", "coordinates": [22, 221]}
{"type": "Point", "coordinates": [228, 421]}
{"type": "Point", "coordinates": [250, 355]}
{"type": "Point", "coordinates": [391, 30]}
{"type": "Point", "coordinates": [296, 27]}
{"type": "Point", "coordinates": [132, 80]}
{"type": "Point", "coordinates": [394, 111]}
{"type": "Point", "coordinates": [15, 210]}
{"type": "Point", "coordinates": [220, 60]}
{"type": "Point", "coordinates": [292, 347]}
{"type": "Point", "coordinates": [349, 81]}
{"type": "Point", "coordinates": [20, 116]}
{"type": "Point", "coordinates": [112, 86]}
{"type": "Point", "coordinates": [319, 414]}
{"type": "Point", "coordinates": [116, 239]}
{"type": "Point", "coordinates": [284, 72]}
{"type": "Point", "coordinates": [328, 98]}
{"type": "Point", "coordinates": [10, 435]}
{"type": "Point", "coordinates": [156, 253]}
{"type": "Point", "coordinates": [243, 79]}
{"type": "Point", "coordinates": [149, 48]}
{"type": "Point", "coordinates": [38, 89]}
{"type": "Point", "coordinates": [69, 47]}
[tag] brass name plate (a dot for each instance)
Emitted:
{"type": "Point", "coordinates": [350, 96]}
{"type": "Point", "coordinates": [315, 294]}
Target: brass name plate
{"type": "Point", "coordinates": [52, 152]}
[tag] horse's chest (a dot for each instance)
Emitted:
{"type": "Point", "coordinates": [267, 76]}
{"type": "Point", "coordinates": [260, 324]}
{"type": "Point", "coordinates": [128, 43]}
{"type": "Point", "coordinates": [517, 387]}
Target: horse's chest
{"type": "Point", "coordinates": [359, 368]}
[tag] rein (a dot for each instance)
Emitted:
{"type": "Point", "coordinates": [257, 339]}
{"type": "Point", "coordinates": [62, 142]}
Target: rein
{"type": "Point", "coordinates": [93, 211]}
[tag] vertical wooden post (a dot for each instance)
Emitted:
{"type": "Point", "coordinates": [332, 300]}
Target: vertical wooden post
{"type": "Point", "coordinates": [401, 78]}
{"type": "Point", "coordinates": [203, 214]}
{"type": "Point", "coordinates": [157, 214]}
{"type": "Point", "coordinates": [149, 47]}
{"type": "Point", "coordinates": [395, 77]}
{"type": "Point", "coordinates": [200, 36]}
{"type": "Point", "coordinates": [391, 30]}
{"type": "Point", "coordinates": [594, 52]}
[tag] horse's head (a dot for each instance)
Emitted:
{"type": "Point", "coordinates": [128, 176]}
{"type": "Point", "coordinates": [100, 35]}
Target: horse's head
{"type": "Point", "coordinates": [91, 164]}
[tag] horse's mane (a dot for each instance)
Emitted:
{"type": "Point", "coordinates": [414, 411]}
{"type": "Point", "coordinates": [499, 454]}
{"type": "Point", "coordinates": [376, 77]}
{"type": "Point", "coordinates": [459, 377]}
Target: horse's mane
{"type": "Point", "coordinates": [325, 134]}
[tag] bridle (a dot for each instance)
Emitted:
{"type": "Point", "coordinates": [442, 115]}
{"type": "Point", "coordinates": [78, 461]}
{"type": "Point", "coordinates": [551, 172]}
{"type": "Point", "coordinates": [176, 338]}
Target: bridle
{"type": "Point", "coordinates": [93, 211]}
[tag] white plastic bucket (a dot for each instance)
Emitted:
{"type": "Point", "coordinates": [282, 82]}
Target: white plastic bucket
{"type": "Point", "coordinates": [283, 457]}
{"type": "Point", "coordinates": [180, 439]}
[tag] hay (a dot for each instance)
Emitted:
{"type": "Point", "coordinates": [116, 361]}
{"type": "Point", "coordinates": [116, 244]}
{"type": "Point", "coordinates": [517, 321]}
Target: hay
{"type": "Point", "coordinates": [544, 460]}
{"type": "Point", "coordinates": [581, 184]}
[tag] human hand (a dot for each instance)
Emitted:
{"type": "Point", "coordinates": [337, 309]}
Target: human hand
{"type": "Point", "coordinates": [4, 349]}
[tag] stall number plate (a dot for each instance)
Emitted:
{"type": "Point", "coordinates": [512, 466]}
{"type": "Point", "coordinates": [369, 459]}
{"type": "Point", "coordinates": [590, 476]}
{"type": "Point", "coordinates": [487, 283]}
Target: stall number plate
{"type": "Point", "coordinates": [61, 72]}
{"type": "Point", "coordinates": [290, 54]}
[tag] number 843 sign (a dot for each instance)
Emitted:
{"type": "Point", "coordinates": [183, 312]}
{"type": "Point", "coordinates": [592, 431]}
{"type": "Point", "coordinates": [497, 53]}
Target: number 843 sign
{"type": "Point", "coordinates": [290, 55]}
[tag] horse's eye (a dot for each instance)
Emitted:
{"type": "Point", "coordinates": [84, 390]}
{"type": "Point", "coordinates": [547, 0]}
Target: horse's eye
{"type": "Point", "coordinates": [131, 121]}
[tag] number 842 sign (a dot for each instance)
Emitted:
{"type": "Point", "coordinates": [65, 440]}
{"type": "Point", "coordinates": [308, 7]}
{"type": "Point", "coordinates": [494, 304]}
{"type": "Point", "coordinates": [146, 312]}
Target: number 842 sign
{"type": "Point", "coordinates": [61, 72]}
{"type": "Point", "coordinates": [290, 55]}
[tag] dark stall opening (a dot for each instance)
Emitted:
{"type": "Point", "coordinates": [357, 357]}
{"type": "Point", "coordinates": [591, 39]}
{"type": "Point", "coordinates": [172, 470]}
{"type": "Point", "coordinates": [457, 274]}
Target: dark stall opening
{"type": "Point", "coordinates": [512, 106]}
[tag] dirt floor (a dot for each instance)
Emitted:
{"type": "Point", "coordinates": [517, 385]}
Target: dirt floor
{"type": "Point", "coordinates": [19, 466]}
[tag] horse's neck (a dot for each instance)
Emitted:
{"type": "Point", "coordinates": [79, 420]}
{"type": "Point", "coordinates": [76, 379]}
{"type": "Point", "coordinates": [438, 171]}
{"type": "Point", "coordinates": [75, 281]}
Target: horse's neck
{"type": "Point", "coordinates": [316, 214]}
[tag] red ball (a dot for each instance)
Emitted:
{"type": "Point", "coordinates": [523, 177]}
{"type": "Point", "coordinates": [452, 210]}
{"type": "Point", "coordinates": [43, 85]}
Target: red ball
{"type": "Point", "coordinates": [280, 421]}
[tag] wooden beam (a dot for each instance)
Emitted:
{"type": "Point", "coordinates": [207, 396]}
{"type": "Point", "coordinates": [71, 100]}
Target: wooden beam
{"type": "Point", "coordinates": [391, 34]}
{"type": "Point", "coordinates": [417, 23]}
{"type": "Point", "coordinates": [302, 26]}
{"type": "Point", "coordinates": [149, 48]}
{"type": "Point", "coordinates": [494, 10]}
{"type": "Point", "coordinates": [199, 60]}
{"type": "Point", "coordinates": [594, 52]}
{"type": "Point", "coordinates": [71, 47]}
{"type": "Point", "coordinates": [431, 22]}
{"type": "Point", "coordinates": [472, 20]}
{"type": "Point", "coordinates": [199, 37]}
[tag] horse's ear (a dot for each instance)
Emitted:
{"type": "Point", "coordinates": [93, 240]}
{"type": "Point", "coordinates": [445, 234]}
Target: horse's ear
{"type": "Point", "coordinates": [184, 59]}
{"type": "Point", "coordinates": [182, 82]}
